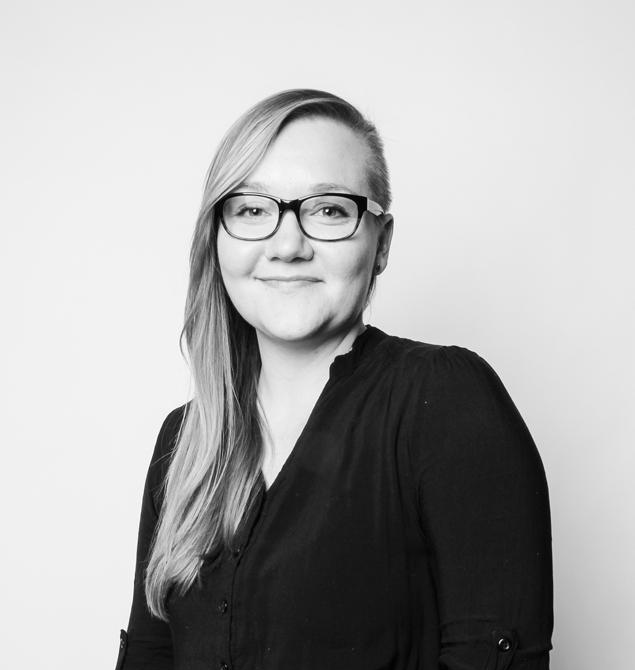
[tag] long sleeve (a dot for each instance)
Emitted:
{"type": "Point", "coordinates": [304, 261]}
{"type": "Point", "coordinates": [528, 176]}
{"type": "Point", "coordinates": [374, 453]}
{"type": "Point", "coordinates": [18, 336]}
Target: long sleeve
{"type": "Point", "coordinates": [484, 510]}
{"type": "Point", "coordinates": [147, 644]}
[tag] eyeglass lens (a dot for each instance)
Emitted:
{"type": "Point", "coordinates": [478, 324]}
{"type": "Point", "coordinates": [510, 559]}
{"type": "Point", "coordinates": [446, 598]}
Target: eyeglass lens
{"type": "Point", "coordinates": [325, 217]}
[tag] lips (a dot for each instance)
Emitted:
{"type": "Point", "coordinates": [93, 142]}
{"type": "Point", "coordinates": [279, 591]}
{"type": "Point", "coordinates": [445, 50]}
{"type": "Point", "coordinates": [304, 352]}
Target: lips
{"type": "Point", "coordinates": [290, 279]}
{"type": "Point", "coordinates": [289, 284]}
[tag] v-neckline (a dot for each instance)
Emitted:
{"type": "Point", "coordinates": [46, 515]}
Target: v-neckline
{"type": "Point", "coordinates": [335, 370]}
{"type": "Point", "coordinates": [288, 461]}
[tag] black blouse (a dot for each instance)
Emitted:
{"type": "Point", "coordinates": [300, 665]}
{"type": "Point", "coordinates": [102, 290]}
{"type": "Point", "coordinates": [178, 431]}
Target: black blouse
{"type": "Point", "coordinates": [408, 529]}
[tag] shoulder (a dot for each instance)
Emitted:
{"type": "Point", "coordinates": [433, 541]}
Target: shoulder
{"type": "Point", "coordinates": [443, 382]}
{"type": "Point", "coordinates": [163, 450]}
{"type": "Point", "coordinates": [442, 366]}
{"type": "Point", "coordinates": [457, 408]}
{"type": "Point", "coordinates": [168, 433]}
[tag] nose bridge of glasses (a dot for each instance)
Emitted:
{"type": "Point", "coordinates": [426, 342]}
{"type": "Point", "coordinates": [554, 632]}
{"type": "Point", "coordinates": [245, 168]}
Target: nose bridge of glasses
{"type": "Point", "coordinates": [292, 205]}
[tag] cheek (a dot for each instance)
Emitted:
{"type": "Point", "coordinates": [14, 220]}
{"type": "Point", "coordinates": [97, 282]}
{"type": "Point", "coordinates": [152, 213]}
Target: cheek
{"type": "Point", "coordinates": [353, 266]}
{"type": "Point", "coordinates": [235, 259]}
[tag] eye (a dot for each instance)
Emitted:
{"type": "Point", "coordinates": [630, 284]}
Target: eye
{"type": "Point", "coordinates": [331, 211]}
{"type": "Point", "coordinates": [249, 207]}
{"type": "Point", "coordinates": [327, 210]}
{"type": "Point", "coordinates": [250, 212]}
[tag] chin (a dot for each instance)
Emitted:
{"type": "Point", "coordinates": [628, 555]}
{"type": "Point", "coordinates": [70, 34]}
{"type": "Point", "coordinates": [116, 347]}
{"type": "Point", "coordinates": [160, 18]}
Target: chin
{"type": "Point", "coordinates": [289, 331]}
{"type": "Point", "coordinates": [292, 327]}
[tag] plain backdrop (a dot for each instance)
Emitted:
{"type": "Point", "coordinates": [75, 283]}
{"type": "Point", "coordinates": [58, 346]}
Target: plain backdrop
{"type": "Point", "coordinates": [509, 131]}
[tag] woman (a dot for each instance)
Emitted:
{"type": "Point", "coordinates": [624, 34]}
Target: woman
{"type": "Point", "coordinates": [333, 497]}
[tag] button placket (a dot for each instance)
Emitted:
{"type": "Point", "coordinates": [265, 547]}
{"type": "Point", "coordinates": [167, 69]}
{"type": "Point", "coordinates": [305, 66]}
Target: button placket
{"type": "Point", "coordinates": [223, 605]}
{"type": "Point", "coordinates": [238, 555]}
{"type": "Point", "coordinates": [220, 605]}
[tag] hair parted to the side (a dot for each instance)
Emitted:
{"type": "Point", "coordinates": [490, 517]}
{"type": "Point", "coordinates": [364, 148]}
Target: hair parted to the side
{"type": "Point", "coordinates": [216, 459]}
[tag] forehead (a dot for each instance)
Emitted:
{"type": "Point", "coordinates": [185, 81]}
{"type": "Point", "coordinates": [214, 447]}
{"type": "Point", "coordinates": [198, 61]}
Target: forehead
{"type": "Point", "coordinates": [310, 153]}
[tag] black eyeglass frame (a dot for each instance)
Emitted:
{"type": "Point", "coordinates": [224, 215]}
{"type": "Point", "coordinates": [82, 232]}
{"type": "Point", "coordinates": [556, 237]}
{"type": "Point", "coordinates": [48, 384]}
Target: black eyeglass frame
{"type": "Point", "coordinates": [363, 203]}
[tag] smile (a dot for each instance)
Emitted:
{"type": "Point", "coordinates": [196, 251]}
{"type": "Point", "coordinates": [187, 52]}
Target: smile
{"type": "Point", "coordinates": [290, 278]}
{"type": "Point", "coordinates": [288, 283]}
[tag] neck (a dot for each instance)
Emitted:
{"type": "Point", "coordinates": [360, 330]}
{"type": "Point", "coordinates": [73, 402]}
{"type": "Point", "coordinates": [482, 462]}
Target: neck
{"type": "Point", "coordinates": [290, 368]}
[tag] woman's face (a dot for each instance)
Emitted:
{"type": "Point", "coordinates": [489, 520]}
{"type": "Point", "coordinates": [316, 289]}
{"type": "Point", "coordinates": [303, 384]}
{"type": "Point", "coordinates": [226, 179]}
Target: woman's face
{"type": "Point", "coordinates": [262, 277]}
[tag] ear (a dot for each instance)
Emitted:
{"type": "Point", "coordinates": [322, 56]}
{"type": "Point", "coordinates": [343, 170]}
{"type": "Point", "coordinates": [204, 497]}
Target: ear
{"type": "Point", "coordinates": [383, 241]}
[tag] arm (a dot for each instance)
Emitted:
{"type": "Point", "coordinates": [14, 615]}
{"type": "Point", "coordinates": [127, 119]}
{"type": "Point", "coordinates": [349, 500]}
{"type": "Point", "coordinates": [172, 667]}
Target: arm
{"type": "Point", "coordinates": [484, 509]}
{"type": "Point", "coordinates": [147, 644]}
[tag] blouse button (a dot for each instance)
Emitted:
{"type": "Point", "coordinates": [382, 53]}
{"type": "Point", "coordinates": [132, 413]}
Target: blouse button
{"type": "Point", "coordinates": [223, 666]}
{"type": "Point", "coordinates": [504, 644]}
{"type": "Point", "coordinates": [236, 552]}
{"type": "Point", "coordinates": [222, 606]}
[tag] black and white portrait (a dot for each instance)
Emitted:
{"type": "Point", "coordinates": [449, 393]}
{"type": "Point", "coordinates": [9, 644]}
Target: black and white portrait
{"type": "Point", "coordinates": [318, 335]}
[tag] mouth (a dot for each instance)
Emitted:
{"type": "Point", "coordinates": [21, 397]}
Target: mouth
{"type": "Point", "coordinates": [297, 278]}
{"type": "Point", "coordinates": [289, 283]}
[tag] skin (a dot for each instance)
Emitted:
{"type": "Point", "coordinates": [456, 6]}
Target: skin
{"type": "Point", "coordinates": [302, 326]}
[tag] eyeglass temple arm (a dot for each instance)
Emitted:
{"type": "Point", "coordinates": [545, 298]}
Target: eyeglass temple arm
{"type": "Point", "coordinates": [374, 207]}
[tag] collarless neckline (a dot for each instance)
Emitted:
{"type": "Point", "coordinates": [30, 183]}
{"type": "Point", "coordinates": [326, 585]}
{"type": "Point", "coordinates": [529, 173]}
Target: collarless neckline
{"type": "Point", "coordinates": [347, 362]}
{"type": "Point", "coordinates": [342, 365]}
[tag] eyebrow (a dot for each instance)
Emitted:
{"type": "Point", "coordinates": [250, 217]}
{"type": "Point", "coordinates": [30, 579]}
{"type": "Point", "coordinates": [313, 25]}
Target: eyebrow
{"type": "Point", "coordinates": [313, 188]}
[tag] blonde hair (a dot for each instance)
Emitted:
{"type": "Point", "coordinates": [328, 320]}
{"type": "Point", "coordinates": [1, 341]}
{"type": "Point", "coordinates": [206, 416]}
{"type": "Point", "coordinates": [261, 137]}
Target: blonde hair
{"type": "Point", "coordinates": [215, 462]}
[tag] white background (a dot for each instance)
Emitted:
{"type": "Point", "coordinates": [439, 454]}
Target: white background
{"type": "Point", "coordinates": [509, 129]}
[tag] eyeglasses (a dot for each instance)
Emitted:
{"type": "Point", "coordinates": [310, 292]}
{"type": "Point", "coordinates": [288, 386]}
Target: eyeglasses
{"type": "Point", "coordinates": [328, 217]}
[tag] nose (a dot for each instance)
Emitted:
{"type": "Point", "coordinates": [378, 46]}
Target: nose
{"type": "Point", "coordinates": [289, 242]}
